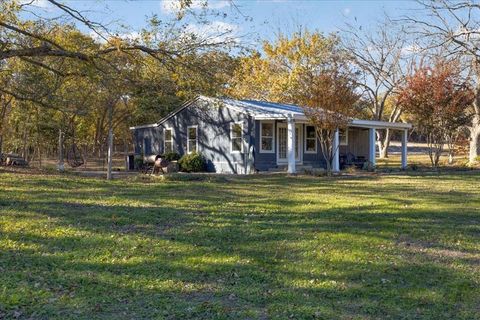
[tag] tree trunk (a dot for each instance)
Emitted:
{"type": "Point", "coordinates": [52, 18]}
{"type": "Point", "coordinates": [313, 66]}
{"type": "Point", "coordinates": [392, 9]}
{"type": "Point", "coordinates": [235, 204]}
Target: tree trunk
{"type": "Point", "coordinates": [110, 142]}
{"type": "Point", "coordinates": [60, 165]}
{"type": "Point", "coordinates": [474, 139]}
{"type": "Point", "coordinates": [383, 142]}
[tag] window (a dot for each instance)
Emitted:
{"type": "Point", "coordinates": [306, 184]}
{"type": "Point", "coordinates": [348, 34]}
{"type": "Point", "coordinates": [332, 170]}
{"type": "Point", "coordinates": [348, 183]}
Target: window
{"type": "Point", "coordinates": [343, 134]}
{"type": "Point", "coordinates": [266, 137]}
{"type": "Point", "coordinates": [168, 140]}
{"type": "Point", "coordinates": [310, 139]}
{"type": "Point", "coordinates": [236, 137]}
{"type": "Point", "coordinates": [192, 140]}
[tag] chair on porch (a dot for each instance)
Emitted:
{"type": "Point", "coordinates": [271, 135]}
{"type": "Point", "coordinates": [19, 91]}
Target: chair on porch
{"type": "Point", "coordinates": [349, 159]}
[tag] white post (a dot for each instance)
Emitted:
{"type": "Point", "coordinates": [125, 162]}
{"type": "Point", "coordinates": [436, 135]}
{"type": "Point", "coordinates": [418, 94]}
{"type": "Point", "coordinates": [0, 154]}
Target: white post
{"type": "Point", "coordinates": [371, 146]}
{"type": "Point", "coordinates": [404, 148]}
{"type": "Point", "coordinates": [291, 145]}
{"type": "Point", "coordinates": [336, 150]}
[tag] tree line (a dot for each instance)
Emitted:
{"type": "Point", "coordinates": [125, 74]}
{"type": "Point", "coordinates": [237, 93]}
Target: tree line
{"type": "Point", "coordinates": [60, 86]}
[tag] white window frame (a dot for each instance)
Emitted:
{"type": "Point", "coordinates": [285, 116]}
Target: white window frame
{"type": "Point", "coordinates": [188, 138]}
{"type": "Point", "coordinates": [306, 138]}
{"type": "Point", "coordinates": [164, 140]}
{"type": "Point", "coordinates": [273, 137]}
{"type": "Point", "coordinates": [344, 143]}
{"type": "Point", "coordinates": [231, 137]}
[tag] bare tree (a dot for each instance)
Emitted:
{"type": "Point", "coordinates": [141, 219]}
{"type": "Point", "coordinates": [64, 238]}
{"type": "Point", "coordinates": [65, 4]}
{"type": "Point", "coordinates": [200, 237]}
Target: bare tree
{"type": "Point", "coordinates": [379, 55]}
{"type": "Point", "coordinates": [455, 26]}
{"type": "Point", "coordinates": [167, 42]}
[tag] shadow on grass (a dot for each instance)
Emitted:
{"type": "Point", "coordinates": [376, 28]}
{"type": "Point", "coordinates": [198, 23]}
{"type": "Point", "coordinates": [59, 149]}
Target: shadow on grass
{"type": "Point", "coordinates": [257, 248]}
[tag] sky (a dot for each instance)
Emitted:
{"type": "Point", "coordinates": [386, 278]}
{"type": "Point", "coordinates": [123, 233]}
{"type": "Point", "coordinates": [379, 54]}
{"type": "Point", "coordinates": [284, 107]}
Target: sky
{"type": "Point", "coordinates": [252, 19]}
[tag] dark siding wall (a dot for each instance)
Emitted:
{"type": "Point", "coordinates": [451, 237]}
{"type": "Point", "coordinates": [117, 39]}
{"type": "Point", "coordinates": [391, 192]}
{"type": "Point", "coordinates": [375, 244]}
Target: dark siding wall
{"type": "Point", "coordinates": [148, 139]}
{"type": "Point", "coordinates": [316, 160]}
{"type": "Point", "coordinates": [213, 125]}
{"type": "Point", "coordinates": [265, 161]}
{"type": "Point", "coordinates": [357, 142]}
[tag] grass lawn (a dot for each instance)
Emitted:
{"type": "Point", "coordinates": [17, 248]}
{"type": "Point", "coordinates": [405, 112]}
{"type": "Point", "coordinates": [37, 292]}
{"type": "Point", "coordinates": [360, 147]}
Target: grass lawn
{"type": "Point", "coordinates": [259, 247]}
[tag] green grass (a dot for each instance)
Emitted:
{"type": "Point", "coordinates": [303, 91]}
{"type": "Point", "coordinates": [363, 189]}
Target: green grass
{"type": "Point", "coordinates": [259, 247]}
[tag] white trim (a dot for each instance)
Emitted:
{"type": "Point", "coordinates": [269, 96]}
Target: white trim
{"type": "Point", "coordinates": [153, 125]}
{"type": "Point", "coordinates": [196, 138]}
{"type": "Point", "coordinates": [282, 161]}
{"type": "Point", "coordinates": [336, 150]}
{"type": "Point", "coordinates": [343, 143]}
{"type": "Point", "coordinates": [372, 146]}
{"type": "Point", "coordinates": [380, 124]}
{"type": "Point", "coordinates": [305, 140]}
{"type": "Point", "coordinates": [231, 138]}
{"type": "Point", "coordinates": [273, 137]}
{"type": "Point", "coordinates": [164, 140]}
{"type": "Point", "coordinates": [404, 148]}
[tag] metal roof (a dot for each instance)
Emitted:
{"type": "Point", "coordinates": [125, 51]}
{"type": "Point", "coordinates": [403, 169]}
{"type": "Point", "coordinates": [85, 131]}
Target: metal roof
{"type": "Point", "coordinates": [263, 110]}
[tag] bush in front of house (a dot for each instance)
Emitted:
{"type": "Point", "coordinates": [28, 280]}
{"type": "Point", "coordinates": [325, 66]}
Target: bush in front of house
{"type": "Point", "coordinates": [138, 162]}
{"type": "Point", "coordinates": [193, 162]}
{"type": "Point", "coordinates": [171, 156]}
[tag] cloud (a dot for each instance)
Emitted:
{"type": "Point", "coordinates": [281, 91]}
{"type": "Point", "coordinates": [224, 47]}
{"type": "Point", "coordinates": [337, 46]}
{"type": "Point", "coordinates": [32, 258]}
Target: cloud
{"type": "Point", "coordinates": [173, 6]}
{"type": "Point", "coordinates": [347, 11]}
{"type": "Point", "coordinates": [37, 3]}
{"type": "Point", "coordinates": [215, 31]}
{"type": "Point", "coordinates": [411, 49]}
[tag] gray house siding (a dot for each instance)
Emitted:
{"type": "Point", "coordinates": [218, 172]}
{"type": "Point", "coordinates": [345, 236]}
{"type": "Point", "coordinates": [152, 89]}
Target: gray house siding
{"type": "Point", "coordinates": [357, 143]}
{"type": "Point", "coordinates": [147, 141]}
{"type": "Point", "coordinates": [213, 122]}
{"type": "Point", "coordinates": [265, 161]}
{"type": "Point", "coordinates": [213, 134]}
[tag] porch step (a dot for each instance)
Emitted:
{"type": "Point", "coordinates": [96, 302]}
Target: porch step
{"type": "Point", "coordinates": [283, 168]}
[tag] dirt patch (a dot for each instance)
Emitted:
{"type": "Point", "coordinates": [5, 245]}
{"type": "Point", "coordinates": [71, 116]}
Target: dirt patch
{"type": "Point", "coordinates": [435, 252]}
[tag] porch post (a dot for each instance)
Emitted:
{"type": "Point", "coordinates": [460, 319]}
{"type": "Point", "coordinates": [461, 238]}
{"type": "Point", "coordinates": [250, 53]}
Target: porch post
{"type": "Point", "coordinates": [291, 144]}
{"type": "Point", "coordinates": [404, 148]}
{"type": "Point", "coordinates": [336, 150]}
{"type": "Point", "coordinates": [371, 146]}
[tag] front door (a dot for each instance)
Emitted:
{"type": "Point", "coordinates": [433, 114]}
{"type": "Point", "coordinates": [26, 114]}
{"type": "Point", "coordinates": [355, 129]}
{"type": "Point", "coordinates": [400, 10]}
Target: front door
{"type": "Point", "coordinates": [282, 144]}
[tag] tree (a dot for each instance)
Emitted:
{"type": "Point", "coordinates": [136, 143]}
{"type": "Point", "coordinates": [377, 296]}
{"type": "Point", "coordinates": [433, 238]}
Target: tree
{"type": "Point", "coordinates": [277, 76]}
{"type": "Point", "coordinates": [329, 99]}
{"type": "Point", "coordinates": [454, 26]}
{"type": "Point", "coordinates": [380, 57]}
{"type": "Point", "coordinates": [74, 88]}
{"type": "Point", "coordinates": [308, 69]}
{"type": "Point", "coordinates": [438, 102]}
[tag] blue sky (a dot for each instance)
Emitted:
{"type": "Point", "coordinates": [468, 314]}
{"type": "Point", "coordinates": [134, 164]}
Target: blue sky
{"type": "Point", "coordinates": [268, 17]}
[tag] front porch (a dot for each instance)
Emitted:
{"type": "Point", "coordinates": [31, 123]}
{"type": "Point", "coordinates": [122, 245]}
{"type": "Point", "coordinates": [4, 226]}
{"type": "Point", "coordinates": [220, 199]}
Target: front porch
{"type": "Point", "coordinates": [292, 143]}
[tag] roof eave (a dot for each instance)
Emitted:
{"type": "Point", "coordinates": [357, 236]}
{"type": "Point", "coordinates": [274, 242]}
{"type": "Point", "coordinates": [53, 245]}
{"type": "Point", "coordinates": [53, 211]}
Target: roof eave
{"type": "Point", "coordinates": [380, 124]}
{"type": "Point", "coordinates": [145, 126]}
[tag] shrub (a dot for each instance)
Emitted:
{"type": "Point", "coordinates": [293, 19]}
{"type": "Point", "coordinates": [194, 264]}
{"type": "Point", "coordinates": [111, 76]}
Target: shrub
{"type": "Point", "coordinates": [171, 156]}
{"type": "Point", "coordinates": [138, 162]}
{"type": "Point", "coordinates": [414, 167]}
{"type": "Point", "coordinates": [193, 162]}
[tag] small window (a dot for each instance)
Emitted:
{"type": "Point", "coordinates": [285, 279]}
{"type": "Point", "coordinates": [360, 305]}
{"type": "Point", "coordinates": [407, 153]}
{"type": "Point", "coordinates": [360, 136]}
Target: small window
{"type": "Point", "coordinates": [266, 137]}
{"type": "Point", "coordinates": [310, 139]}
{"type": "Point", "coordinates": [192, 139]}
{"type": "Point", "coordinates": [236, 137]}
{"type": "Point", "coordinates": [343, 134]}
{"type": "Point", "coordinates": [168, 141]}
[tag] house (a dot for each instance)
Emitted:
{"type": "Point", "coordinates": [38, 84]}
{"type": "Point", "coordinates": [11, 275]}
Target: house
{"type": "Point", "coordinates": [244, 136]}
